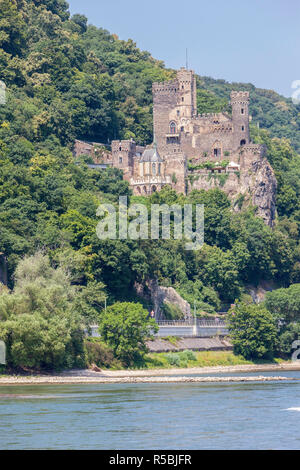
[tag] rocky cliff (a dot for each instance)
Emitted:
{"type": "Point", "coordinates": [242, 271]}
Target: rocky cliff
{"type": "Point", "coordinates": [254, 184]}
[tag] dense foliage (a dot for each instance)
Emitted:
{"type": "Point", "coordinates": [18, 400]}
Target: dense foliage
{"type": "Point", "coordinates": [125, 326]}
{"type": "Point", "coordinates": [253, 331]}
{"type": "Point", "coordinates": [65, 80]}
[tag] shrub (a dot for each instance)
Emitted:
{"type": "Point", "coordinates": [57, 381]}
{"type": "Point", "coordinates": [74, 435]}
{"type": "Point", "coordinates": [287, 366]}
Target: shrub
{"type": "Point", "coordinates": [173, 359]}
{"type": "Point", "coordinates": [171, 311]}
{"type": "Point", "coordinates": [188, 355]}
{"type": "Point", "coordinates": [98, 353]}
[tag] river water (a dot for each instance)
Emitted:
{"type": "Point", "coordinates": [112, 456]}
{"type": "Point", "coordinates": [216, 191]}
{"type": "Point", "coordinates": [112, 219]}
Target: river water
{"type": "Point", "coordinates": [259, 415]}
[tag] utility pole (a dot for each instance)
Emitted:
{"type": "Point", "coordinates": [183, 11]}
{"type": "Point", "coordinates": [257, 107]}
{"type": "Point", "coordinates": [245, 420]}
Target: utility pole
{"type": "Point", "coordinates": [195, 320]}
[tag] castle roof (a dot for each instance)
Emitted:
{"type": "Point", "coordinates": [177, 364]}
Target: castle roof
{"type": "Point", "coordinates": [151, 155]}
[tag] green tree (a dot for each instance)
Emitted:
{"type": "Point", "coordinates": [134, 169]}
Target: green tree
{"type": "Point", "coordinates": [253, 331]}
{"type": "Point", "coordinates": [41, 324]}
{"type": "Point", "coordinates": [125, 326]}
{"type": "Point", "coordinates": [284, 304]}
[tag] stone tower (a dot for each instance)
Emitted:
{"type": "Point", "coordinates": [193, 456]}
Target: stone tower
{"type": "Point", "coordinates": [123, 153]}
{"type": "Point", "coordinates": [187, 93]}
{"type": "Point", "coordinates": [240, 118]}
{"type": "Point", "coordinates": [173, 100]}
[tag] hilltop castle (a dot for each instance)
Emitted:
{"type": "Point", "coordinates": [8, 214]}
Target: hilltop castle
{"type": "Point", "coordinates": [193, 151]}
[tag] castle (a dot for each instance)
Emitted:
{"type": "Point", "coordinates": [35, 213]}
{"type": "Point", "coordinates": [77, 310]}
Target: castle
{"type": "Point", "coordinates": [193, 151]}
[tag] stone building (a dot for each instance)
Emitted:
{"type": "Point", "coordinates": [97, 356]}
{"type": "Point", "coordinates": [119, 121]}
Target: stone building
{"type": "Point", "coordinates": [197, 151]}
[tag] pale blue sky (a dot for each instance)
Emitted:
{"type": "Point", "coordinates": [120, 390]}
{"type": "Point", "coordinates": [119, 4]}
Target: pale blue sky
{"type": "Point", "coordinates": [255, 41]}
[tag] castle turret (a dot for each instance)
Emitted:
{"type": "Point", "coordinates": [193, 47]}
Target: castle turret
{"type": "Point", "coordinates": [123, 153]}
{"type": "Point", "coordinates": [187, 97]}
{"type": "Point", "coordinates": [240, 118]}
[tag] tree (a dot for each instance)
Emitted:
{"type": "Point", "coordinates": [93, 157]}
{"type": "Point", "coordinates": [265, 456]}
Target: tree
{"type": "Point", "coordinates": [286, 339]}
{"type": "Point", "coordinates": [35, 342]}
{"type": "Point", "coordinates": [284, 304]}
{"type": "Point", "coordinates": [125, 326]}
{"type": "Point", "coordinates": [253, 331]}
{"type": "Point", "coordinates": [40, 323]}
{"type": "Point", "coordinates": [12, 28]}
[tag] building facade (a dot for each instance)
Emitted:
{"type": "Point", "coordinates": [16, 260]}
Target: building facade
{"type": "Point", "coordinates": [196, 151]}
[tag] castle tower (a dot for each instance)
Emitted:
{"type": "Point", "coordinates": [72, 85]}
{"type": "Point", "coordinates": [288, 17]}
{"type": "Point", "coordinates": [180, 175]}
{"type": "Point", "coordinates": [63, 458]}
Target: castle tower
{"type": "Point", "coordinates": [187, 96]}
{"type": "Point", "coordinates": [164, 101]}
{"type": "Point", "coordinates": [240, 118]}
{"type": "Point", "coordinates": [173, 100]}
{"type": "Point", "coordinates": [123, 153]}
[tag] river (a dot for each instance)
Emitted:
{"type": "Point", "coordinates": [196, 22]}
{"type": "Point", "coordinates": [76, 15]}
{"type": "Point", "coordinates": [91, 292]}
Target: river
{"type": "Point", "coordinates": [259, 415]}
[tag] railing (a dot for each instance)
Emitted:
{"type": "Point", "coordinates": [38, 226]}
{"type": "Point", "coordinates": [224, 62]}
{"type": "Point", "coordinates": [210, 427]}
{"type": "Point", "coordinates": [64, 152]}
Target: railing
{"type": "Point", "coordinates": [199, 322]}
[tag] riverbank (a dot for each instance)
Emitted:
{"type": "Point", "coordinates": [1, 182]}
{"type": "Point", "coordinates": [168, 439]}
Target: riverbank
{"type": "Point", "coordinates": [64, 380]}
{"type": "Point", "coordinates": [155, 375]}
{"type": "Point", "coordinates": [268, 367]}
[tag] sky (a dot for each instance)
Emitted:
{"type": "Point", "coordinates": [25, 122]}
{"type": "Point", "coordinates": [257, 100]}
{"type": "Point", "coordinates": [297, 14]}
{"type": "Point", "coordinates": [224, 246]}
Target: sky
{"type": "Point", "coordinates": [251, 41]}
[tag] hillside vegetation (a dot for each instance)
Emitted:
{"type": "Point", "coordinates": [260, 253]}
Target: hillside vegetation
{"type": "Point", "coordinates": [68, 80]}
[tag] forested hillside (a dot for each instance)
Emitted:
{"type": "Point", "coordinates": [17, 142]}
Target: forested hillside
{"type": "Point", "coordinates": [68, 80]}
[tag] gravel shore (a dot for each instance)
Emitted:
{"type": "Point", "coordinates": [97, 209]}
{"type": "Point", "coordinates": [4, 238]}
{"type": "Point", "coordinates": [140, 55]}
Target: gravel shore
{"type": "Point", "coordinates": [110, 380]}
{"type": "Point", "coordinates": [155, 376]}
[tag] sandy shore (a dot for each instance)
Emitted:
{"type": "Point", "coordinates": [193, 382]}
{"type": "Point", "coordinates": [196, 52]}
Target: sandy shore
{"type": "Point", "coordinates": [156, 375]}
{"type": "Point", "coordinates": [56, 380]}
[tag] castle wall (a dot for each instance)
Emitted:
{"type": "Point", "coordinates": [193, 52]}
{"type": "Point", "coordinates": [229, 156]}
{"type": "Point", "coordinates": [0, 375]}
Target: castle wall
{"type": "Point", "coordinates": [183, 137]}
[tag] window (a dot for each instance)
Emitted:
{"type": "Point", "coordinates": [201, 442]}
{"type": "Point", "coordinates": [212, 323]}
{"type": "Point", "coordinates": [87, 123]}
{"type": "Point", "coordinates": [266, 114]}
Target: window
{"type": "Point", "coordinates": [159, 168]}
{"type": "Point", "coordinates": [172, 128]}
{"type": "Point", "coordinates": [243, 128]}
{"type": "Point", "coordinates": [182, 99]}
{"type": "Point", "coordinates": [178, 112]}
{"type": "Point", "coordinates": [217, 152]}
{"type": "Point", "coordinates": [120, 159]}
{"type": "Point", "coordinates": [242, 111]}
{"type": "Point", "coordinates": [182, 129]}
{"type": "Point", "coordinates": [243, 142]}
{"type": "Point", "coordinates": [120, 148]}
{"type": "Point", "coordinates": [153, 169]}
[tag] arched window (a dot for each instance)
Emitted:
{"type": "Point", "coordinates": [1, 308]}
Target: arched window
{"type": "Point", "coordinates": [172, 127]}
{"type": "Point", "coordinates": [153, 189]}
{"type": "Point", "coordinates": [153, 169]}
{"type": "Point", "coordinates": [242, 111]}
{"type": "Point", "coordinates": [243, 142]}
{"type": "Point", "coordinates": [243, 128]}
{"type": "Point", "coordinates": [145, 190]}
{"type": "Point", "coordinates": [159, 168]}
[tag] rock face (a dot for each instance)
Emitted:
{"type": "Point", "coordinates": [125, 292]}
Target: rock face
{"type": "Point", "coordinates": [264, 190]}
{"type": "Point", "coordinates": [258, 293]}
{"type": "Point", "coordinates": [254, 184]}
{"type": "Point", "coordinates": [161, 295]}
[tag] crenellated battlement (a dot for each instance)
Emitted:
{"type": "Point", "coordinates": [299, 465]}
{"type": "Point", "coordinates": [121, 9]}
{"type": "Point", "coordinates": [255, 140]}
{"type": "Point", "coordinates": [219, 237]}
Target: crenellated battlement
{"type": "Point", "coordinates": [171, 86]}
{"type": "Point", "coordinates": [239, 97]}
